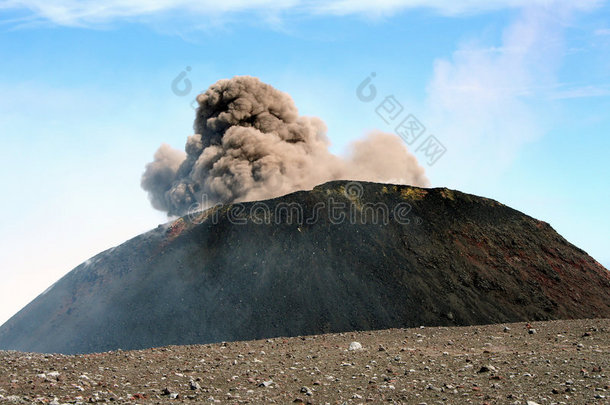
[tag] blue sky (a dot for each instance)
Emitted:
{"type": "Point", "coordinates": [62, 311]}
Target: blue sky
{"type": "Point", "coordinates": [517, 91]}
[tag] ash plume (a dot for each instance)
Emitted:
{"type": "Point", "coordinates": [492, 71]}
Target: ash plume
{"type": "Point", "coordinates": [250, 143]}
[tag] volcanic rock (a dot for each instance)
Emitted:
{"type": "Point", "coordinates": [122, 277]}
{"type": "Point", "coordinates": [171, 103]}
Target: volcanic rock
{"type": "Point", "coordinates": [344, 256]}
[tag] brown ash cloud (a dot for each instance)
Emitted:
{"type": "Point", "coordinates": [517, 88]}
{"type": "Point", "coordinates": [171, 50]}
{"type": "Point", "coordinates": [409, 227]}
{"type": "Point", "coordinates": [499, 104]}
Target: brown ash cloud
{"type": "Point", "coordinates": [250, 143]}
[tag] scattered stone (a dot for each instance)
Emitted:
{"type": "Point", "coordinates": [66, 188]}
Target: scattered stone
{"type": "Point", "coordinates": [540, 368]}
{"type": "Point", "coordinates": [355, 346]}
{"type": "Point", "coordinates": [54, 375]}
{"type": "Point", "coordinates": [488, 368]}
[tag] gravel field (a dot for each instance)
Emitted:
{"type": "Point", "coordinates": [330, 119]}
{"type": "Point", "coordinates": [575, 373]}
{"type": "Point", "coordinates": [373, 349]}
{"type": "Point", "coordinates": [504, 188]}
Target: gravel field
{"type": "Point", "coordinates": [555, 362]}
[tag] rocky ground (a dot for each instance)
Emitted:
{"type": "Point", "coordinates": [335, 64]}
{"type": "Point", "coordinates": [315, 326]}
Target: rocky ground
{"type": "Point", "coordinates": [557, 362]}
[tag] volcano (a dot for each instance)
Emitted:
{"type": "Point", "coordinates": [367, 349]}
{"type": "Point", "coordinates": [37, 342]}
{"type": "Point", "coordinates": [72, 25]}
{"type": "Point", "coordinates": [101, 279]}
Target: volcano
{"type": "Point", "coordinates": [344, 256]}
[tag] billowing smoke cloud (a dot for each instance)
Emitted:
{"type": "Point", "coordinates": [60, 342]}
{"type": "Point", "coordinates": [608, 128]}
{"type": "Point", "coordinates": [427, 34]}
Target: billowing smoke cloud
{"type": "Point", "coordinates": [250, 143]}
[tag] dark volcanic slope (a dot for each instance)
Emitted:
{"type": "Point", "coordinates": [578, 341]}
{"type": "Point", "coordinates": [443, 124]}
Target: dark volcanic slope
{"type": "Point", "coordinates": [453, 259]}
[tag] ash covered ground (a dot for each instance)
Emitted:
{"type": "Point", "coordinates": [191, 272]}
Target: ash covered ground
{"type": "Point", "coordinates": [555, 362]}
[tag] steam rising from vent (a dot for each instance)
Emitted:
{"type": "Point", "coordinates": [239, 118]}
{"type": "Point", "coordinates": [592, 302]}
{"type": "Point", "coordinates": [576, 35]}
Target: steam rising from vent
{"type": "Point", "coordinates": [250, 143]}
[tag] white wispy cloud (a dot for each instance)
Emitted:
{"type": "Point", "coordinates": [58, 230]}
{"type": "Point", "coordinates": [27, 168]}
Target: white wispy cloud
{"type": "Point", "coordinates": [580, 92]}
{"type": "Point", "coordinates": [484, 101]}
{"type": "Point", "coordinates": [91, 12]}
{"type": "Point", "coordinates": [445, 7]}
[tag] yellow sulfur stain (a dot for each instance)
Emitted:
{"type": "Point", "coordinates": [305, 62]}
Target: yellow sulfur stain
{"type": "Point", "coordinates": [446, 193]}
{"type": "Point", "coordinates": [412, 193]}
